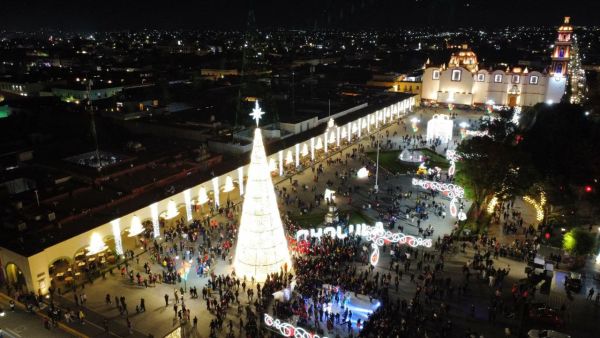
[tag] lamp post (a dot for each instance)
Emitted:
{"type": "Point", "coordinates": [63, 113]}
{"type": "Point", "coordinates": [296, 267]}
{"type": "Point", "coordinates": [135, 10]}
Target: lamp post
{"type": "Point", "coordinates": [377, 166]}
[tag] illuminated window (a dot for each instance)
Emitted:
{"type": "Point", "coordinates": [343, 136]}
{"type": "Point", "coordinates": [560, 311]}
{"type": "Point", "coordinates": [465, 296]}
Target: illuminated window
{"type": "Point", "coordinates": [436, 74]}
{"type": "Point", "coordinates": [533, 79]}
{"type": "Point", "coordinates": [480, 77]}
{"type": "Point", "coordinates": [516, 78]}
{"type": "Point", "coordinates": [497, 78]}
{"type": "Point", "coordinates": [456, 75]}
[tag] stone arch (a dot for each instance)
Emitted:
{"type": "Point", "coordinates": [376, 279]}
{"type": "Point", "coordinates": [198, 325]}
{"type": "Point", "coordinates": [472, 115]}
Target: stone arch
{"type": "Point", "coordinates": [15, 277]}
{"type": "Point", "coordinates": [58, 263]}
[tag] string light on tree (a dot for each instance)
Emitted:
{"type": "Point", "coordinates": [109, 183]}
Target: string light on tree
{"type": "Point", "coordinates": [492, 205]}
{"type": "Point", "coordinates": [538, 206]}
{"type": "Point", "coordinates": [261, 247]}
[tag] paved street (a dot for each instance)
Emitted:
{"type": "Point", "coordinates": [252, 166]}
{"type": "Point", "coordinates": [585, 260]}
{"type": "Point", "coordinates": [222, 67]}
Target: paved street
{"type": "Point", "coordinates": [20, 324]}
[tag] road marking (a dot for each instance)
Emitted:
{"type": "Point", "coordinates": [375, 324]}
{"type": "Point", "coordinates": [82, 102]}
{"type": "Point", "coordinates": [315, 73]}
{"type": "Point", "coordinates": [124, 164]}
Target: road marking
{"type": "Point", "coordinates": [12, 332]}
{"type": "Point", "coordinates": [101, 328]}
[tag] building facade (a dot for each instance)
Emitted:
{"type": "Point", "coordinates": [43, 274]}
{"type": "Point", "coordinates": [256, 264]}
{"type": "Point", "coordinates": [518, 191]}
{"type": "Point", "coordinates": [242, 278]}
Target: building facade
{"type": "Point", "coordinates": [463, 82]}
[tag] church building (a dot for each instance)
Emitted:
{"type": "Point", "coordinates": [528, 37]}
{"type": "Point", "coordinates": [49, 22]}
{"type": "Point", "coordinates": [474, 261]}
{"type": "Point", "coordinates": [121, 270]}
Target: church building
{"type": "Point", "coordinates": [464, 83]}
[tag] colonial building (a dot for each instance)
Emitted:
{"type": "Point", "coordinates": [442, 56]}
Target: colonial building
{"type": "Point", "coordinates": [463, 82]}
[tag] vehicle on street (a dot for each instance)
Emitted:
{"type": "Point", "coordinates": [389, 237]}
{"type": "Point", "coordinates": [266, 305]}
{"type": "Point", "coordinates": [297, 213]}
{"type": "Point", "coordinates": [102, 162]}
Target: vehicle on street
{"type": "Point", "coordinates": [542, 313]}
{"type": "Point", "coordinates": [573, 281]}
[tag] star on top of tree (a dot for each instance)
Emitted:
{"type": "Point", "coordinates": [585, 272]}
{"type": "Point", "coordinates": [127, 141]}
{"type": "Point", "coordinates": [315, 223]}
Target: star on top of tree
{"type": "Point", "coordinates": [257, 113]}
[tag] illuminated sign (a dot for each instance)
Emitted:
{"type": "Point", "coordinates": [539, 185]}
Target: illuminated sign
{"type": "Point", "coordinates": [375, 234]}
{"type": "Point", "coordinates": [453, 190]}
{"type": "Point", "coordinates": [287, 329]}
{"type": "Point", "coordinates": [380, 237]}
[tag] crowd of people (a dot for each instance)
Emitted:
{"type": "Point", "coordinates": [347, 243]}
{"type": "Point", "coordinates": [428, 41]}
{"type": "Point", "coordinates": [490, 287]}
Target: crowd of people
{"type": "Point", "coordinates": [414, 289]}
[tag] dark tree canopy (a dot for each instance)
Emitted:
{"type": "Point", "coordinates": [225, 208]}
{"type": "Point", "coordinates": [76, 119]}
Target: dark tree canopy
{"type": "Point", "coordinates": [563, 144]}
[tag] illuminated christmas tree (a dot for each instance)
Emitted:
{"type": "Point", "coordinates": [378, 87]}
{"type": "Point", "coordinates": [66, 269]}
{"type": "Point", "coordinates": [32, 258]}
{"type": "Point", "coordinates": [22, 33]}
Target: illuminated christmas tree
{"type": "Point", "coordinates": [261, 246]}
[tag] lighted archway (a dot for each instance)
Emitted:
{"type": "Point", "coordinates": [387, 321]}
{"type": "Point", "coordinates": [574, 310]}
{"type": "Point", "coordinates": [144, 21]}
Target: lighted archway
{"type": "Point", "coordinates": [15, 277]}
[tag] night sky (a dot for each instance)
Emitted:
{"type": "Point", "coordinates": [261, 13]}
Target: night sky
{"type": "Point", "coordinates": [88, 15]}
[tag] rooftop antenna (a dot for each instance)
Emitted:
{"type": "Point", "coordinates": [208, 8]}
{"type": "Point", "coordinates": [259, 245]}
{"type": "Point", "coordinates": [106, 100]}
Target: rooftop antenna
{"type": "Point", "coordinates": [94, 134]}
{"type": "Point", "coordinates": [329, 107]}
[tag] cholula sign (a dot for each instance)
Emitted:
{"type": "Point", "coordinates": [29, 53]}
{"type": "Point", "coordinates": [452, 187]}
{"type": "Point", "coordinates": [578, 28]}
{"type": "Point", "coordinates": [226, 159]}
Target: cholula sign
{"type": "Point", "coordinates": [374, 234]}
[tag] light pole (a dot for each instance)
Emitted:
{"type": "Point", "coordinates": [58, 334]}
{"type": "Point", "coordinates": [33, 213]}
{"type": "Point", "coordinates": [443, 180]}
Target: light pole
{"type": "Point", "coordinates": [377, 166]}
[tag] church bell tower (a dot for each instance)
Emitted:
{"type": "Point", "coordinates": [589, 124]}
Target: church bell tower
{"type": "Point", "coordinates": [562, 49]}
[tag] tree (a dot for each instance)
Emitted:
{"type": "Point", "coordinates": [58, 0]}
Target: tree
{"type": "Point", "coordinates": [562, 143]}
{"type": "Point", "coordinates": [487, 168]}
{"type": "Point", "coordinates": [578, 242]}
{"type": "Point", "coordinates": [481, 169]}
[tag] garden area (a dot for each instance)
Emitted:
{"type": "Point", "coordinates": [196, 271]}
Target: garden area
{"type": "Point", "coordinates": [390, 160]}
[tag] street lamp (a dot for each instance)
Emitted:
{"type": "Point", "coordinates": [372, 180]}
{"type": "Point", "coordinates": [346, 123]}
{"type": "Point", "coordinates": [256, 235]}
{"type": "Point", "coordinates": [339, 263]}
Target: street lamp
{"type": "Point", "coordinates": [376, 187]}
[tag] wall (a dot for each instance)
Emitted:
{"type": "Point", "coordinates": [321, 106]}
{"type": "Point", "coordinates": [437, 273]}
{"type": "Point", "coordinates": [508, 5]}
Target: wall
{"type": "Point", "coordinates": [555, 88]}
{"type": "Point", "coordinates": [458, 91]}
{"type": "Point", "coordinates": [430, 87]}
{"type": "Point", "coordinates": [480, 89]}
{"type": "Point", "coordinates": [532, 94]}
{"type": "Point", "coordinates": [299, 127]}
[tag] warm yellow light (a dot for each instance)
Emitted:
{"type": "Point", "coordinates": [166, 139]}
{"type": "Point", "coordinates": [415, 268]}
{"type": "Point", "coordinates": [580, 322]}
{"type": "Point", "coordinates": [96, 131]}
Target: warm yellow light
{"type": "Point", "coordinates": [304, 151]}
{"type": "Point", "coordinates": [171, 210]}
{"type": "Point", "coordinates": [228, 184]}
{"type": "Point", "coordinates": [96, 245]}
{"type": "Point", "coordinates": [261, 247]}
{"type": "Point", "coordinates": [289, 158]}
{"type": "Point", "coordinates": [492, 205]}
{"type": "Point", "coordinates": [538, 206]}
{"type": "Point", "coordinates": [332, 137]}
{"type": "Point", "coordinates": [362, 173]}
{"type": "Point", "coordinates": [319, 144]}
{"type": "Point", "coordinates": [202, 196]}
{"type": "Point", "coordinates": [329, 195]}
{"type": "Point", "coordinates": [272, 165]}
{"type": "Point", "coordinates": [136, 227]}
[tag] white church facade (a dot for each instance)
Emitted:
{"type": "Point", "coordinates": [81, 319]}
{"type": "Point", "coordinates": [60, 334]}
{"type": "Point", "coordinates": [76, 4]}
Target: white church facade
{"type": "Point", "coordinates": [515, 87]}
{"type": "Point", "coordinates": [462, 82]}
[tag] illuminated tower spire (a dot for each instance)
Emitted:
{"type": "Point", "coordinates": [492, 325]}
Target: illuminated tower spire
{"type": "Point", "coordinates": [562, 48]}
{"type": "Point", "coordinates": [261, 245]}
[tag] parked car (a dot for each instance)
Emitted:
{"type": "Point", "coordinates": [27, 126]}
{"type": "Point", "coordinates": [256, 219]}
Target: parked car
{"type": "Point", "coordinates": [540, 312]}
{"type": "Point", "coordinates": [546, 334]}
{"type": "Point", "coordinates": [573, 281]}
